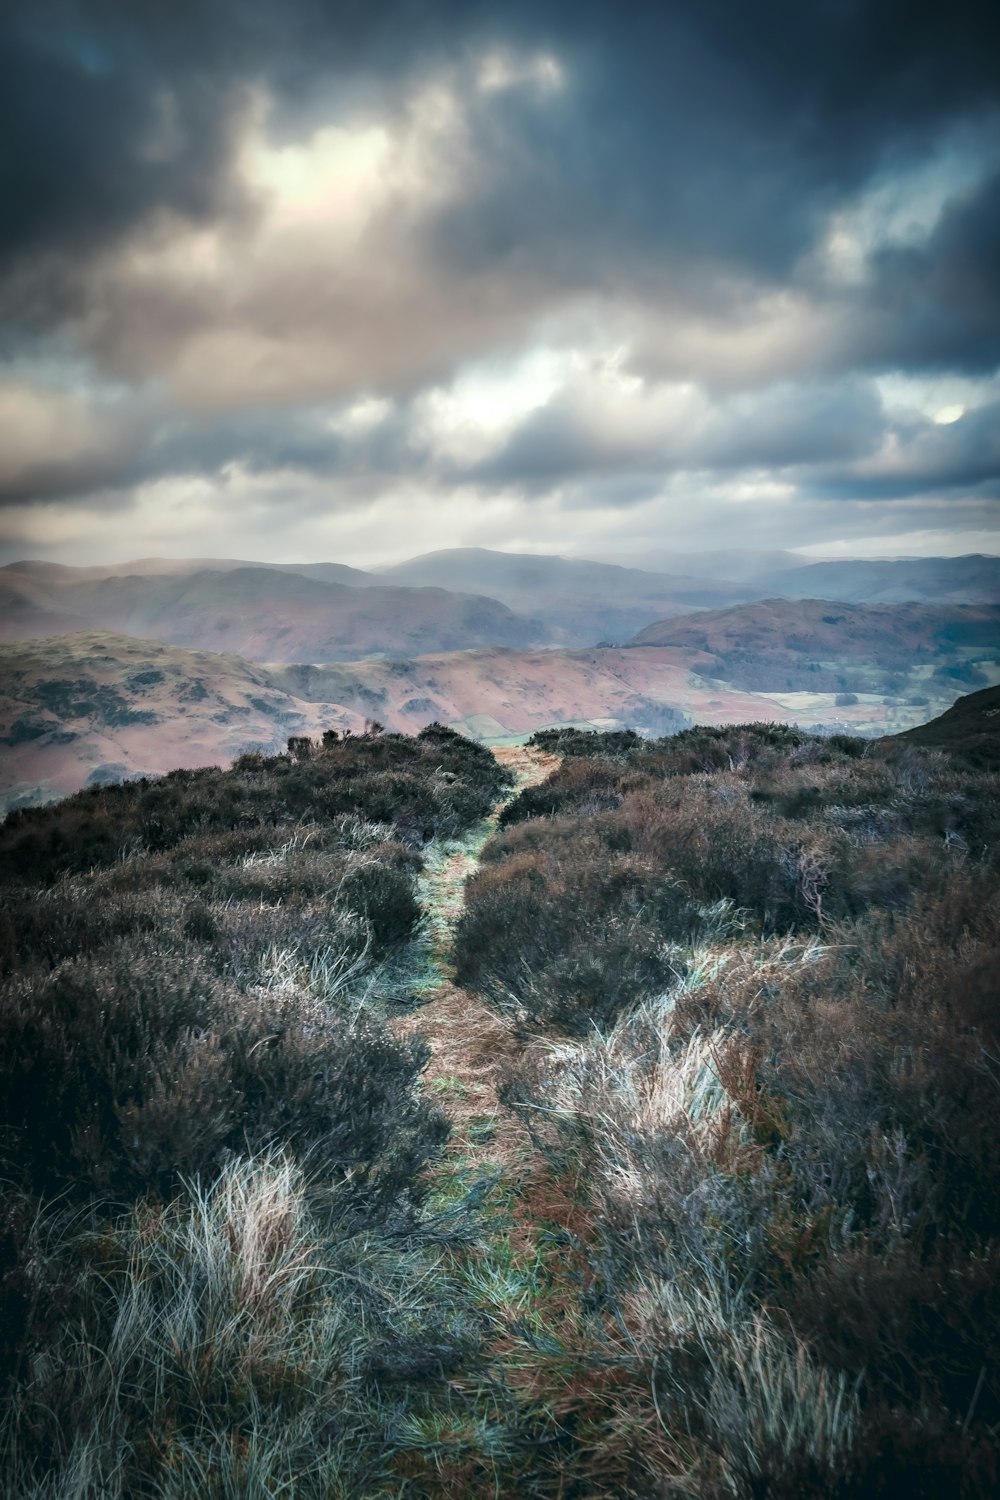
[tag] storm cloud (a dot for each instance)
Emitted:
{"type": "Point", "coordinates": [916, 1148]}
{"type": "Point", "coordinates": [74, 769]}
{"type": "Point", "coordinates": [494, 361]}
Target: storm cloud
{"type": "Point", "coordinates": [281, 266]}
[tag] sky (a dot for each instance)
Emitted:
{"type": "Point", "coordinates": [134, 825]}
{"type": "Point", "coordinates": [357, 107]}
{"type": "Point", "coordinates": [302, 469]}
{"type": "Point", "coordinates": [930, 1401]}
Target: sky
{"type": "Point", "coordinates": [352, 280]}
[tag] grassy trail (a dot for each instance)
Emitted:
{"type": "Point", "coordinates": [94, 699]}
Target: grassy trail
{"type": "Point", "coordinates": [470, 1042]}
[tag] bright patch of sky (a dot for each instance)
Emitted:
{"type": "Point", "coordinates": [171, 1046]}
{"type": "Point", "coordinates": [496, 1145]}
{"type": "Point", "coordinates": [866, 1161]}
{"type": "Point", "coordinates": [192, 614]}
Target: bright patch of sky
{"type": "Point", "coordinates": [941, 398]}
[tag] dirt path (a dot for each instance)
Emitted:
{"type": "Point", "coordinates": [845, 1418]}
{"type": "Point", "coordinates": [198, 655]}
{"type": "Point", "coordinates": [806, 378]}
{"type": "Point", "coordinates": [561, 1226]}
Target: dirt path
{"type": "Point", "coordinates": [470, 1042]}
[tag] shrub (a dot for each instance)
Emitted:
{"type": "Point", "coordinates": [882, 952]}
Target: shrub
{"type": "Point", "coordinates": [568, 931]}
{"type": "Point", "coordinates": [119, 1073]}
{"type": "Point", "coordinates": [437, 783]}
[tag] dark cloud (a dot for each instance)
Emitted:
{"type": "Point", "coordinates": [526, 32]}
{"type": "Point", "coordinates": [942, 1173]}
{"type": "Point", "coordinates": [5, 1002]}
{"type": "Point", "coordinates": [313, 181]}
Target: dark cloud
{"type": "Point", "coordinates": [710, 136]}
{"type": "Point", "coordinates": [669, 172]}
{"type": "Point", "coordinates": [937, 305]}
{"type": "Point", "coordinates": [928, 458]}
{"type": "Point", "coordinates": [695, 129]}
{"type": "Point", "coordinates": [782, 426]}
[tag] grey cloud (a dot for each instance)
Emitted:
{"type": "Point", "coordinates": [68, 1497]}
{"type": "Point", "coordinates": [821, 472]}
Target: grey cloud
{"type": "Point", "coordinates": [831, 439]}
{"type": "Point", "coordinates": [931, 459]}
{"type": "Point", "coordinates": [937, 305]}
{"type": "Point", "coordinates": [692, 139]}
{"type": "Point", "coordinates": [779, 427]}
{"type": "Point", "coordinates": [681, 177]}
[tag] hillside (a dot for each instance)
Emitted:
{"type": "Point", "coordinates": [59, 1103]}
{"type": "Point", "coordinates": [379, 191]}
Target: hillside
{"type": "Point", "coordinates": [73, 704]}
{"type": "Point", "coordinates": [974, 579]}
{"type": "Point", "coordinates": [93, 707]}
{"type": "Point", "coordinates": [262, 613]}
{"type": "Point", "coordinates": [968, 731]}
{"type": "Point", "coordinates": [387, 1118]}
{"type": "Point", "coordinates": [916, 653]}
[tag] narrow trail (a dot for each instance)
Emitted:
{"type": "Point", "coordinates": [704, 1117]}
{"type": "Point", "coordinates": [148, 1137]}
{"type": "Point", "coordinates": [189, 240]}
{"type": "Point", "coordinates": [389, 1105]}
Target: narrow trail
{"type": "Point", "coordinates": [470, 1043]}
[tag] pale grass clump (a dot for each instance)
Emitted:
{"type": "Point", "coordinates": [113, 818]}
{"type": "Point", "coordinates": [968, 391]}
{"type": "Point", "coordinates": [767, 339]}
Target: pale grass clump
{"type": "Point", "coordinates": [238, 1343]}
{"type": "Point", "coordinates": [330, 974]}
{"type": "Point", "coordinates": [278, 854]}
{"type": "Point", "coordinates": [762, 1410]}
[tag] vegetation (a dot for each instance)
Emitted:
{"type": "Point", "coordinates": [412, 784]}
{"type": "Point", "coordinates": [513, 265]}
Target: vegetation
{"type": "Point", "coordinates": [773, 1154]}
{"type": "Point", "coordinates": [216, 1273]}
{"type": "Point", "coordinates": [732, 1230]}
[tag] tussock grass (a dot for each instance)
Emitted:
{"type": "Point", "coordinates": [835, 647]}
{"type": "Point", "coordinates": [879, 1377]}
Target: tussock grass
{"type": "Point", "coordinates": [242, 1340]}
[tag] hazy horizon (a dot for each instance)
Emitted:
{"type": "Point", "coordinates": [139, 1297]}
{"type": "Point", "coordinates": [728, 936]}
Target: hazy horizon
{"type": "Point", "coordinates": [627, 559]}
{"type": "Point", "coordinates": [298, 280]}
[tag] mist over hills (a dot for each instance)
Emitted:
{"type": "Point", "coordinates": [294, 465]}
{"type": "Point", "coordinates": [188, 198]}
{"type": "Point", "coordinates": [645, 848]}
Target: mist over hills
{"type": "Point", "coordinates": [460, 598]}
{"type": "Point", "coordinates": [267, 614]}
{"type": "Point", "coordinates": [581, 601]}
{"type": "Point", "coordinates": [727, 565]}
{"type": "Point", "coordinates": [973, 579]}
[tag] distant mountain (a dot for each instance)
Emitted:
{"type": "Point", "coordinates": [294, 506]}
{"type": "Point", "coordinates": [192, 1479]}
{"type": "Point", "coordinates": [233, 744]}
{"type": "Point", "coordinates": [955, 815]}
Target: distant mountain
{"type": "Point", "coordinates": [970, 729]}
{"type": "Point", "coordinates": [744, 565]}
{"type": "Point", "coordinates": [814, 626]}
{"type": "Point", "coordinates": [974, 579]}
{"type": "Point", "coordinates": [267, 614]}
{"type": "Point", "coordinates": [150, 567]}
{"type": "Point", "coordinates": [583, 602]}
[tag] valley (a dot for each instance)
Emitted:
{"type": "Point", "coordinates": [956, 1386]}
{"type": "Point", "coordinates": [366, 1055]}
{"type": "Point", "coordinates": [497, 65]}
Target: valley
{"type": "Point", "coordinates": [131, 669]}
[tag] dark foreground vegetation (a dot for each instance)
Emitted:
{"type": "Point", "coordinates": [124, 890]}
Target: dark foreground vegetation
{"type": "Point", "coordinates": [772, 963]}
{"type": "Point", "coordinates": [751, 1245]}
{"type": "Point", "coordinates": [215, 1270]}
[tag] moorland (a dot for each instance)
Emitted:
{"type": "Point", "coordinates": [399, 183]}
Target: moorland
{"type": "Point", "coordinates": [608, 1117]}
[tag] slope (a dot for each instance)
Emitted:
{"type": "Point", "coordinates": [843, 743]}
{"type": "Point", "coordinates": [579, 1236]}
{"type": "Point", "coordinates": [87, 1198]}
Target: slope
{"type": "Point", "coordinates": [974, 579]}
{"type": "Point", "coordinates": [810, 645]}
{"type": "Point", "coordinates": [969, 730]}
{"type": "Point", "coordinates": [96, 707]}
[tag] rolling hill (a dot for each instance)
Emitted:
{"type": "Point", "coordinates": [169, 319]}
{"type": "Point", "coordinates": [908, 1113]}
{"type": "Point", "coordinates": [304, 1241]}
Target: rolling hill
{"type": "Point", "coordinates": [102, 704]}
{"type": "Point", "coordinates": [96, 706]}
{"type": "Point", "coordinates": [974, 579]}
{"type": "Point", "coordinates": [272, 614]}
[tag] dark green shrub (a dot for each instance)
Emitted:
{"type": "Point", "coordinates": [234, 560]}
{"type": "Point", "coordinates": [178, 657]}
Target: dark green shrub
{"type": "Point", "coordinates": [569, 932]}
{"type": "Point", "coordinates": [436, 783]}
{"type": "Point", "coordinates": [118, 1073]}
{"type": "Point", "coordinates": [384, 897]}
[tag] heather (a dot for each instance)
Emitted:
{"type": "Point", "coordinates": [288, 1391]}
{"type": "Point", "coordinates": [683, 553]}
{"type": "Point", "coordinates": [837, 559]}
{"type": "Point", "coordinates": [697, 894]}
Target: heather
{"type": "Point", "coordinates": [373, 1126]}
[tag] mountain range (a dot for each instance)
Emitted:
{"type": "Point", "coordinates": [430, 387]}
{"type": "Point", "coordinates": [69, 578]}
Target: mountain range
{"type": "Point", "coordinates": [461, 598]}
{"type": "Point", "coordinates": [101, 704]}
{"type": "Point", "coordinates": [137, 667]}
